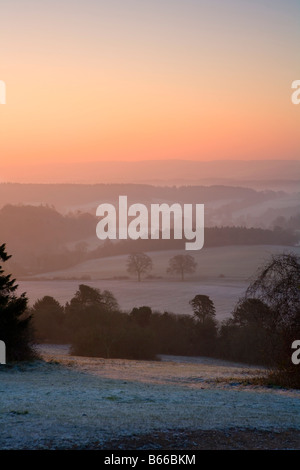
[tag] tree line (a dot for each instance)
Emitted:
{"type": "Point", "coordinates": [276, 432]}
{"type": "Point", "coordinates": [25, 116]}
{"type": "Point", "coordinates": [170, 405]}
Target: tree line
{"type": "Point", "coordinates": [214, 236]}
{"type": "Point", "coordinates": [40, 249]}
{"type": "Point", "coordinates": [260, 330]}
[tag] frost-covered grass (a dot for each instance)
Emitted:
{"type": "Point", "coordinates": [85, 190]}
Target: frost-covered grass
{"type": "Point", "coordinates": [233, 261]}
{"type": "Point", "coordinates": [159, 295]}
{"type": "Point", "coordinates": [164, 293]}
{"type": "Point", "coordinates": [71, 401]}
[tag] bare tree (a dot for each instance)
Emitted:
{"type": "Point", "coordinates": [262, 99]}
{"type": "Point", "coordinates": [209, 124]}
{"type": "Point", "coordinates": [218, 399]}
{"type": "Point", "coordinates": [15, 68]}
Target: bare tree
{"type": "Point", "coordinates": [182, 264]}
{"type": "Point", "coordinates": [139, 263]}
{"type": "Point", "coordinates": [277, 285]}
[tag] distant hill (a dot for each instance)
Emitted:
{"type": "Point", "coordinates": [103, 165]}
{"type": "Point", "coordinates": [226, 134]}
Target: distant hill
{"type": "Point", "coordinates": [224, 205]}
{"type": "Point", "coordinates": [41, 239]}
{"type": "Point", "coordinates": [260, 174]}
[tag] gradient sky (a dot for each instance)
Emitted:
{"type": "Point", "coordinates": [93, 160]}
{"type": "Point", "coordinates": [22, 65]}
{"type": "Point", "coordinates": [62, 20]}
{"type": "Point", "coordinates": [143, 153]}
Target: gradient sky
{"type": "Point", "coordinates": [148, 79]}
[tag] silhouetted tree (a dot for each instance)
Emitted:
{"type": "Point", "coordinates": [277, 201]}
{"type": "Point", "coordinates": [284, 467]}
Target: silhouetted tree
{"type": "Point", "coordinates": [252, 311]}
{"type": "Point", "coordinates": [97, 327]}
{"type": "Point", "coordinates": [90, 296]}
{"type": "Point", "coordinates": [15, 324]}
{"type": "Point", "coordinates": [141, 315]}
{"type": "Point", "coordinates": [248, 335]}
{"type": "Point", "coordinates": [182, 264]}
{"type": "Point", "coordinates": [266, 321]}
{"type": "Point", "coordinates": [87, 308]}
{"type": "Point", "coordinates": [139, 263]}
{"type": "Point", "coordinates": [48, 319]}
{"type": "Point", "coordinates": [203, 308]}
{"type": "Point", "coordinates": [205, 331]}
{"type": "Point", "coordinates": [277, 284]}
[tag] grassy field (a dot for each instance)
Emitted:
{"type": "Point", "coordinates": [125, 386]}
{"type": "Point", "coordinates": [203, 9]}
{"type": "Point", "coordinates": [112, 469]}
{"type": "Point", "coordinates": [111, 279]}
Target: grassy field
{"type": "Point", "coordinates": [78, 402]}
{"type": "Point", "coordinates": [159, 295]}
{"type": "Point", "coordinates": [233, 262]}
{"type": "Point", "coordinates": [163, 293]}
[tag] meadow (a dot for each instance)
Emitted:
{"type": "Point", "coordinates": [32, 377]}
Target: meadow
{"type": "Point", "coordinates": [223, 273]}
{"type": "Point", "coordinates": [71, 402]}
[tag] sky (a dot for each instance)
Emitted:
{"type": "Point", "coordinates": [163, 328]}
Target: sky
{"type": "Point", "coordinates": [147, 80]}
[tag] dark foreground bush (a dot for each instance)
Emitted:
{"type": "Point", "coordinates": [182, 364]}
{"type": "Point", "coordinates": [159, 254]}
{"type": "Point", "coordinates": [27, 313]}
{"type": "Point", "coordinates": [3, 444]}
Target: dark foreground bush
{"type": "Point", "coordinates": [286, 378]}
{"type": "Point", "coordinates": [127, 342]}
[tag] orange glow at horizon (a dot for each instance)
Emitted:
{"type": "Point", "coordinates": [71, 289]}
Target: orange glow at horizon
{"type": "Point", "coordinates": [141, 100]}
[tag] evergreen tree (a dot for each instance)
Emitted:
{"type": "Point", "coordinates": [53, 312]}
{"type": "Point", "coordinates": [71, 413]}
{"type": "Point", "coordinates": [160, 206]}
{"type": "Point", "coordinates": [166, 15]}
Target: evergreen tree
{"type": "Point", "coordinates": [203, 307]}
{"type": "Point", "coordinates": [48, 320]}
{"type": "Point", "coordinates": [15, 324]}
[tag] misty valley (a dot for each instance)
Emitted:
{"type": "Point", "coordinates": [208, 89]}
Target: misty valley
{"type": "Point", "coordinates": [136, 319]}
{"type": "Point", "coordinates": [233, 217]}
